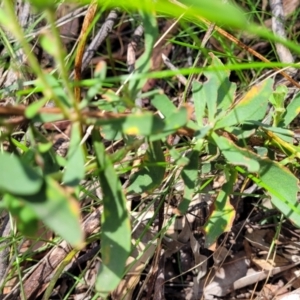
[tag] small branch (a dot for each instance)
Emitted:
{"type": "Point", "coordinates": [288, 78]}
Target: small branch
{"type": "Point", "coordinates": [284, 54]}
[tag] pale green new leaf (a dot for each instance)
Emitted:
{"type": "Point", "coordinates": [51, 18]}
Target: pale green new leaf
{"type": "Point", "coordinates": [74, 171]}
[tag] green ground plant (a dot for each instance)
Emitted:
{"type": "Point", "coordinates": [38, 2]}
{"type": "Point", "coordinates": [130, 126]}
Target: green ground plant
{"type": "Point", "coordinates": [38, 184]}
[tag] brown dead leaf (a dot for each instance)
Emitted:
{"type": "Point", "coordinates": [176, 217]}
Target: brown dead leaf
{"type": "Point", "coordinates": [254, 276]}
{"type": "Point", "coordinates": [260, 238]}
{"type": "Point", "coordinates": [293, 277]}
{"type": "Point", "coordinates": [294, 295]}
{"type": "Point", "coordinates": [223, 278]}
{"type": "Point", "coordinates": [270, 290]}
{"type": "Point", "coordinates": [265, 263]}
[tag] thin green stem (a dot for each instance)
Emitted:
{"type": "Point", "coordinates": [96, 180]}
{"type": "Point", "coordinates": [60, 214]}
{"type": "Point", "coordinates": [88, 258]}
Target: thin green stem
{"type": "Point", "coordinates": [17, 31]}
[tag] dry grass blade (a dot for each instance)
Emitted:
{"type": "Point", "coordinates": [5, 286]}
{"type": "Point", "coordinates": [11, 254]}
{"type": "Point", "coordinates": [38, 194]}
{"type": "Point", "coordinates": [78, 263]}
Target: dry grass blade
{"type": "Point", "coordinates": [88, 19]}
{"type": "Point", "coordinates": [242, 45]}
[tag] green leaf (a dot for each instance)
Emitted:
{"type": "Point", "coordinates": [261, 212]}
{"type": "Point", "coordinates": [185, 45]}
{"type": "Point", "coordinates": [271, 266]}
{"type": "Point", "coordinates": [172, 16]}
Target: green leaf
{"type": "Point", "coordinates": [190, 179]}
{"type": "Point", "coordinates": [175, 121]}
{"type": "Point", "coordinates": [217, 92]}
{"type": "Point", "coordinates": [225, 88]}
{"type": "Point", "coordinates": [223, 213]}
{"type": "Point", "coordinates": [162, 103]}
{"type": "Point", "coordinates": [173, 118]}
{"type": "Point", "coordinates": [199, 101]}
{"type": "Point", "coordinates": [56, 88]}
{"type": "Point", "coordinates": [217, 11]}
{"type": "Point", "coordinates": [116, 232]}
{"type": "Point", "coordinates": [278, 97]}
{"type": "Point", "coordinates": [47, 117]}
{"type": "Point", "coordinates": [291, 112]}
{"type": "Point", "coordinates": [281, 185]}
{"type": "Point", "coordinates": [58, 210]}
{"type": "Point", "coordinates": [143, 64]}
{"type": "Point", "coordinates": [143, 124]}
{"type": "Point", "coordinates": [152, 172]}
{"type": "Point", "coordinates": [178, 157]}
{"type": "Point", "coordinates": [277, 180]}
{"type": "Point", "coordinates": [208, 93]}
{"type": "Point", "coordinates": [285, 134]}
{"type": "Point", "coordinates": [33, 108]}
{"type": "Point", "coordinates": [42, 5]}
{"type": "Point", "coordinates": [100, 74]}
{"type": "Point", "coordinates": [220, 91]}
{"type": "Point", "coordinates": [236, 155]}
{"type": "Point", "coordinates": [252, 107]}
{"type": "Point", "coordinates": [20, 145]}
{"type": "Point", "coordinates": [26, 219]}
{"type": "Point", "coordinates": [17, 177]}
{"type": "Point", "coordinates": [45, 153]}
{"type": "Point", "coordinates": [74, 171]}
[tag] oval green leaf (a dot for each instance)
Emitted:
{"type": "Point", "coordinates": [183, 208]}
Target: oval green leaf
{"type": "Point", "coordinates": [58, 210]}
{"type": "Point", "coordinates": [236, 155]}
{"type": "Point", "coordinates": [116, 232]}
{"type": "Point", "coordinates": [151, 174]}
{"type": "Point", "coordinates": [252, 107]}
{"type": "Point", "coordinates": [18, 177]}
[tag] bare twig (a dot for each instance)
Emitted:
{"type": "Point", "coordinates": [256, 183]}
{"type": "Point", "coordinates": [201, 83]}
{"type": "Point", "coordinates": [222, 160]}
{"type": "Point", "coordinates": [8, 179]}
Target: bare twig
{"type": "Point", "coordinates": [99, 38]}
{"type": "Point", "coordinates": [283, 52]}
{"type": "Point", "coordinates": [131, 48]}
{"type": "Point", "coordinates": [168, 63]}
